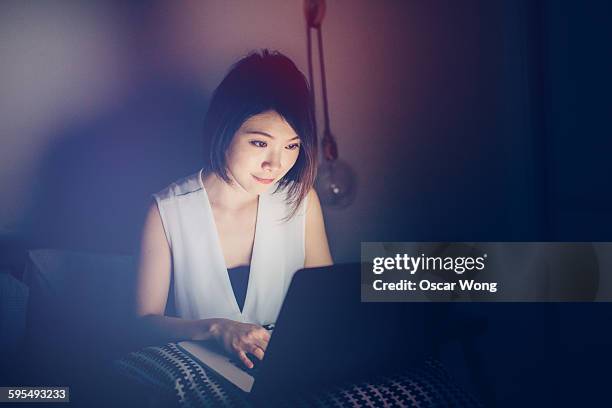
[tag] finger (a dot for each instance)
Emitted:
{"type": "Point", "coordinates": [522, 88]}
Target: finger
{"type": "Point", "coordinates": [261, 343]}
{"type": "Point", "coordinates": [259, 337]}
{"type": "Point", "coordinates": [245, 360]}
{"type": "Point", "coordinates": [265, 334]}
{"type": "Point", "coordinates": [257, 352]}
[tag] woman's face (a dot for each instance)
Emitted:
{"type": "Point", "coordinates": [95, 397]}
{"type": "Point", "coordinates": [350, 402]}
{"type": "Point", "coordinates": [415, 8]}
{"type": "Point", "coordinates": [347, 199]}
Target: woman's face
{"type": "Point", "coordinates": [262, 151]}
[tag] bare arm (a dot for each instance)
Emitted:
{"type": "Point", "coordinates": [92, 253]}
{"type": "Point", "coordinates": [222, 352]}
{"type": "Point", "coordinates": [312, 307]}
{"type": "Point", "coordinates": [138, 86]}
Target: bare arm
{"type": "Point", "coordinates": [153, 284]}
{"type": "Point", "coordinates": [317, 248]}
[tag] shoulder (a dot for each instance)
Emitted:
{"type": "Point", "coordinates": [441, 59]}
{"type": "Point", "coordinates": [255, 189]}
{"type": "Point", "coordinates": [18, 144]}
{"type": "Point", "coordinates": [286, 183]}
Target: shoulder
{"type": "Point", "coordinates": [313, 204]}
{"type": "Point", "coordinates": [312, 198]}
{"type": "Point", "coordinates": [172, 204]}
{"type": "Point", "coordinates": [316, 246]}
{"type": "Point", "coordinates": [180, 188]}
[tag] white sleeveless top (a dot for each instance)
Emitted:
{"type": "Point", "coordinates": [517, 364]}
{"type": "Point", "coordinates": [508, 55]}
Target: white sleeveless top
{"type": "Point", "coordinates": [202, 288]}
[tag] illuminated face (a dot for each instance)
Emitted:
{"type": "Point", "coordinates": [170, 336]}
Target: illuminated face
{"type": "Point", "coordinates": [262, 151]}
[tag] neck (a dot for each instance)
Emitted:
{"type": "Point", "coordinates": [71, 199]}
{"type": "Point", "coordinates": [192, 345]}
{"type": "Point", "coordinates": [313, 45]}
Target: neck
{"type": "Point", "coordinates": [226, 196]}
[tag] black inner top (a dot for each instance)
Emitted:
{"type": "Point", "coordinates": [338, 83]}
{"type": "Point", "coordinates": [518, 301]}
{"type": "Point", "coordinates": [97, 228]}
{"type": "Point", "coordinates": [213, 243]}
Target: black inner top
{"type": "Point", "coordinates": [239, 276]}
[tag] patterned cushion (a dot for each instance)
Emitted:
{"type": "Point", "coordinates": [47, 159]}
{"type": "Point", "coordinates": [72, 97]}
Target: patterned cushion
{"type": "Point", "coordinates": [168, 370]}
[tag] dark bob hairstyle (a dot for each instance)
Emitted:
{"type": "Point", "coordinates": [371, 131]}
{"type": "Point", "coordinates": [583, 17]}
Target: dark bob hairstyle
{"type": "Point", "coordinates": [264, 81]}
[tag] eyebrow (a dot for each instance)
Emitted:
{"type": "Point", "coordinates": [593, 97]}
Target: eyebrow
{"type": "Point", "coordinates": [259, 132]}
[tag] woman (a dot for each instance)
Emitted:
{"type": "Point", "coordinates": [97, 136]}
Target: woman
{"type": "Point", "coordinates": [248, 219]}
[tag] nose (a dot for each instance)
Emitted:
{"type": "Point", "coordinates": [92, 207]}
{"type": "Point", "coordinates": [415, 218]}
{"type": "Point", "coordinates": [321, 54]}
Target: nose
{"type": "Point", "coordinates": [272, 162]}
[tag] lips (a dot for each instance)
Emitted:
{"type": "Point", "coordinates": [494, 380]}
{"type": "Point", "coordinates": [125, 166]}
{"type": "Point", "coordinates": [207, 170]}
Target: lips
{"type": "Point", "coordinates": [263, 180]}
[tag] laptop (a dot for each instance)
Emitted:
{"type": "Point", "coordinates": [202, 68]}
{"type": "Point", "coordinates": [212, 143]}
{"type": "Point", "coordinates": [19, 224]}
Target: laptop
{"type": "Point", "coordinates": [325, 335]}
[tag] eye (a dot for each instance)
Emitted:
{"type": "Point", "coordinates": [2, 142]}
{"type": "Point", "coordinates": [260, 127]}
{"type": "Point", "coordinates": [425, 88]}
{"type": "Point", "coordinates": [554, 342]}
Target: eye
{"type": "Point", "coordinates": [293, 146]}
{"type": "Point", "coordinates": [258, 143]}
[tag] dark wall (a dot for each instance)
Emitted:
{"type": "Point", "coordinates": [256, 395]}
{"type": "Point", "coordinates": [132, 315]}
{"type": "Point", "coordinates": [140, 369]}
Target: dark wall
{"type": "Point", "coordinates": [575, 64]}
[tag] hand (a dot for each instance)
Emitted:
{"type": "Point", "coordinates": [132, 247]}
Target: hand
{"type": "Point", "coordinates": [241, 338]}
